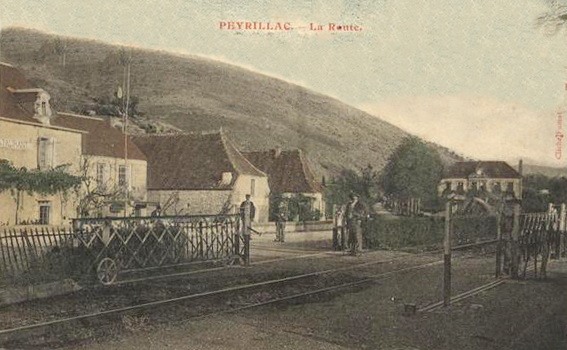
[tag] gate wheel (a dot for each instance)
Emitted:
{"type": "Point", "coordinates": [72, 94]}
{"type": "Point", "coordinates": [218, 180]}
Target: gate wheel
{"type": "Point", "coordinates": [107, 271]}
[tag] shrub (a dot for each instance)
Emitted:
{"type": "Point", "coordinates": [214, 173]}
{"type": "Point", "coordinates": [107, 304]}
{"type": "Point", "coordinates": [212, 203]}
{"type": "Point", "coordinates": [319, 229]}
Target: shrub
{"type": "Point", "coordinates": [401, 232]}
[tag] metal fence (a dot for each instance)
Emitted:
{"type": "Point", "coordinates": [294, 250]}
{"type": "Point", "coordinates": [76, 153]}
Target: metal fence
{"type": "Point", "coordinates": [135, 243]}
{"type": "Point", "coordinates": [104, 247]}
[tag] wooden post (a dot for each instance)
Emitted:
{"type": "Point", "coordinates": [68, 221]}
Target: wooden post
{"type": "Point", "coordinates": [335, 229]}
{"type": "Point", "coordinates": [515, 258]}
{"type": "Point", "coordinates": [447, 256]}
{"type": "Point", "coordinates": [561, 231]}
{"type": "Point", "coordinates": [498, 247]}
{"type": "Point", "coordinates": [246, 233]}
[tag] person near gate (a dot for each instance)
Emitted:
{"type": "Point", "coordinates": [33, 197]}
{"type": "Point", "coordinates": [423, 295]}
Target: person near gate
{"type": "Point", "coordinates": [355, 213]}
{"type": "Point", "coordinates": [281, 217]}
{"type": "Point", "coordinates": [247, 206]}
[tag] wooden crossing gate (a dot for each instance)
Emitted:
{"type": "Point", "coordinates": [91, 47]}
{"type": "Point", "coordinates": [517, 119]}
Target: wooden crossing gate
{"type": "Point", "coordinates": [112, 245]}
{"type": "Point", "coordinates": [138, 243]}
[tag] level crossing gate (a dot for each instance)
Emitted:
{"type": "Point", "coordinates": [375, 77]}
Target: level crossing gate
{"type": "Point", "coordinates": [129, 244]}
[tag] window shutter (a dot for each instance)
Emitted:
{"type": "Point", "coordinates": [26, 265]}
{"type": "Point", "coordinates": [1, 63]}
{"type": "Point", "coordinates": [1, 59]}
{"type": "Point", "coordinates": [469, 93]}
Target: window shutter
{"type": "Point", "coordinates": [105, 173]}
{"type": "Point", "coordinates": [43, 151]}
{"type": "Point", "coordinates": [52, 148]}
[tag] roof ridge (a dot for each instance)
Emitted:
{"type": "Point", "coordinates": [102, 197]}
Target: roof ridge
{"type": "Point", "coordinates": [183, 133]}
{"type": "Point", "coordinates": [309, 175]}
{"type": "Point", "coordinates": [68, 114]}
{"type": "Point", "coordinates": [226, 144]}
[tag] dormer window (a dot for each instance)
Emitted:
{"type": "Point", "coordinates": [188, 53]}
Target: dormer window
{"type": "Point", "coordinates": [34, 99]}
{"type": "Point", "coordinates": [42, 108]}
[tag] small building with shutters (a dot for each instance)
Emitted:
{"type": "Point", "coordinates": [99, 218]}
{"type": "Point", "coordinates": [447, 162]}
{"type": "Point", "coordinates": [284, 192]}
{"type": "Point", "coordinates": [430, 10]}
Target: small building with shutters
{"type": "Point", "coordinates": [201, 173]}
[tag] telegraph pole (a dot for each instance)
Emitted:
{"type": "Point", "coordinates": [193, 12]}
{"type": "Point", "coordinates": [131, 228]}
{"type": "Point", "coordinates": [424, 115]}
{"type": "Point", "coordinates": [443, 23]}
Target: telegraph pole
{"type": "Point", "coordinates": [125, 131]}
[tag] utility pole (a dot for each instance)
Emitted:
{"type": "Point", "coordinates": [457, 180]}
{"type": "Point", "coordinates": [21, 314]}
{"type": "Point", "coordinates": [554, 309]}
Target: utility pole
{"type": "Point", "coordinates": [125, 131]}
{"type": "Point", "coordinates": [447, 255]}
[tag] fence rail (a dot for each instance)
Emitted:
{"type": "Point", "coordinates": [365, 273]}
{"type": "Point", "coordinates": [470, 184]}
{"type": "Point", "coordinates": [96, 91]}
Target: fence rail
{"type": "Point", "coordinates": [24, 249]}
{"type": "Point", "coordinates": [404, 207]}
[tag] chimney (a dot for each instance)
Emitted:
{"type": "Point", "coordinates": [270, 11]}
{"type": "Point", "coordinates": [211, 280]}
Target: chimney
{"type": "Point", "coordinates": [520, 167]}
{"type": "Point", "coordinates": [277, 152]}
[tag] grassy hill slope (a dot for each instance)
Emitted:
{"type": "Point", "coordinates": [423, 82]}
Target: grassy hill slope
{"type": "Point", "coordinates": [195, 94]}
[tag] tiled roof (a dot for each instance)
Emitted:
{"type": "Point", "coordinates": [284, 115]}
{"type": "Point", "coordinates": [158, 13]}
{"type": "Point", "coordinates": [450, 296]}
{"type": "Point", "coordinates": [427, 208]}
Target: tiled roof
{"type": "Point", "coordinates": [17, 96]}
{"type": "Point", "coordinates": [10, 104]}
{"type": "Point", "coordinates": [490, 169]}
{"type": "Point", "coordinates": [288, 171]}
{"type": "Point", "coordinates": [192, 161]}
{"type": "Point", "coordinates": [102, 139]}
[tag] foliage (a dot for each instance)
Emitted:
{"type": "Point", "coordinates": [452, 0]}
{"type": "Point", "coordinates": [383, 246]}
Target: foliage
{"type": "Point", "coordinates": [299, 207]}
{"type": "Point", "coordinates": [426, 232]}
{"type": "Point", "coordinates": [112, 106]}
{"type": "Point", "coordinates": [365, 183]}
{"type": "Point", "coordinates": [402, 232]}
{"type": "Point", "coordinates": [22, 180]}
{"type": "Point", "coordinates": [533, 201]}
{"type": "Point", "coordinates": [540, 190]}
{"type": "Point", "coordinates": [413, 170]}
{"type": "Point", "coordinates": [473, 229]}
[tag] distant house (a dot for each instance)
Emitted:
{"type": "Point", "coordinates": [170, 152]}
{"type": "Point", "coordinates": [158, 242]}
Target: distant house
{"type": "Point", "coordinates": [490, 176]}
{"type": "Point", "coordinates": [195, 173]}
{"type": "Point", "coordinates": [289, 173]}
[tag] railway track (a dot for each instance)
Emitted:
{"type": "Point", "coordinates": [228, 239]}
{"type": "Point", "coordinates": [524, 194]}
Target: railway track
{"type": "Point", "coordinates": [290, 288]}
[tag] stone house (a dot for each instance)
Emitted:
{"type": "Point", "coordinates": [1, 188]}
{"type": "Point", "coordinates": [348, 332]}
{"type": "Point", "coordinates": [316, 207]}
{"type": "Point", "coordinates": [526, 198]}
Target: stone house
{"type": "Point", "coordinates": [491, 176]}
{"type": "Point", "coordinates": [34, 136]}
{"type": "Point", "coordinates": [201, 173]}
{"type": "Point", "coordinates": [289, 174]}
{"type": "Point", "coordinates": [114, 164]}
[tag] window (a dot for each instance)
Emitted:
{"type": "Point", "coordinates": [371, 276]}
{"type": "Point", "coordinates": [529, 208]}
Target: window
{"type": "Point", "coordinates": [45, 151]}
{"type": "Point", "coordinates": [123, 176]}
{"type": "Point", "coordinates": [44, 212]}
{"type": "Point", "coordinates": [100, 174]}
{"type": "Point", "coordinates": [252, 187]}
{"type": "Point", "coordinates": [43, 108]}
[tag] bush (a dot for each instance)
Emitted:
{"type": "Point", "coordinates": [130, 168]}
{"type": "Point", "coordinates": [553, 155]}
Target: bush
{"type": "Point", "coordinates": [401, 232]}
{"type": "Point", "coordinates": [427, 232]}
{"type": "Point", "coordinates": [298, 207]}
{"type": "Point", "coordinates": [473, 229]}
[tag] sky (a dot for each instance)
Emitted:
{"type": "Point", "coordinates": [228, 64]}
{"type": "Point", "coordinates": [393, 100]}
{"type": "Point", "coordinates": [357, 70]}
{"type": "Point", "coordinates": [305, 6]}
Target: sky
{"type": "Point", "coordinates": [477, 76]}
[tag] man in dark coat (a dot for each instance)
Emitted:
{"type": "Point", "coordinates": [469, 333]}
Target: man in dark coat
{"type": "Point", "coordinates": [355, 213]}
{"type": "Point", "coordinates": [247, 204]}
{"type": "Point", "coordinates": [281, 218]}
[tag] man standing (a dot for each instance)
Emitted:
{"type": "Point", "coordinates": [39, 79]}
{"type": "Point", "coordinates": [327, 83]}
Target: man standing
{"type": "Point", "coordinates": [247, 205]}
{"type": "Point", "coordinates": [281, 217]}
{"type": "Point", "coordinates": [355, 212]}
{"type": "Point", "coordinates": [247, 213]}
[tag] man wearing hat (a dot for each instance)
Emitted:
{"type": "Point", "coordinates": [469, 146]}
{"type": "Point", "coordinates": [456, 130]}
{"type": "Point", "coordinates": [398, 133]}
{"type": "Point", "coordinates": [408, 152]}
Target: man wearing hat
{"type": "Point", "coordinates": [354, 214]}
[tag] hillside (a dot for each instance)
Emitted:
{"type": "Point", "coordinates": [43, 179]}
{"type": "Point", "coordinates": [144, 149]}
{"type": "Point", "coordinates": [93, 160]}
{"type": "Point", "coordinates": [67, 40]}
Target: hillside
{"type": "Point", "coordinates": [195, 94]}
{"type": "Point", "coordinates": [529, 169]}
